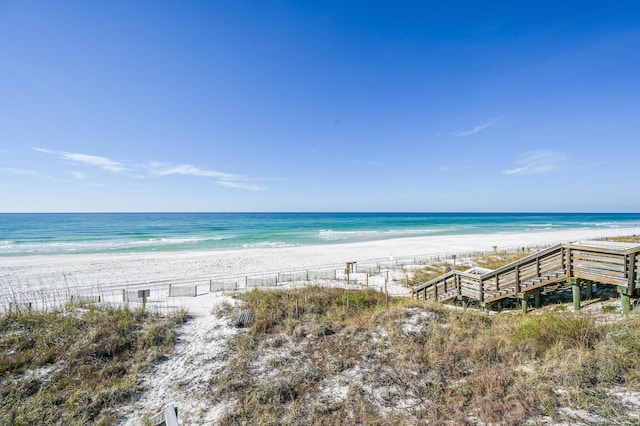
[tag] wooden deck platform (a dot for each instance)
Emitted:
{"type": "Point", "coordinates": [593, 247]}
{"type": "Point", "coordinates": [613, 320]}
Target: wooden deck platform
{"type": "Point", "coordinates": [578, 263]}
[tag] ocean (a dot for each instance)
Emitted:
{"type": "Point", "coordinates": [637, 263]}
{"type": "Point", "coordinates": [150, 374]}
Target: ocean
{"type": "Point", "coordinates": [79, 233]}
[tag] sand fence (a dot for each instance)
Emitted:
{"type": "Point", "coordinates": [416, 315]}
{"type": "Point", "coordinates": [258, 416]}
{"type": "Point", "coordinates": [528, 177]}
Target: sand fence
{"type": "Point", "coordinates": [50, 293]}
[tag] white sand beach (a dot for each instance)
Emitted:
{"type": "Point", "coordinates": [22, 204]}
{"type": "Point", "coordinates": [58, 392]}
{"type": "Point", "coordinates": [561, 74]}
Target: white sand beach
{"type": "Point", "coordinates": [150, 267]}
{"type": "Point", "coordinates": [27, 274]}
{"type": "Point", "coordinates": [185, 377]}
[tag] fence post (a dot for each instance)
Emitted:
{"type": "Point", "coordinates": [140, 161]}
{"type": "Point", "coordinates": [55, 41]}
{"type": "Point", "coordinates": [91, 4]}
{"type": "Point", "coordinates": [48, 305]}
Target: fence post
{"type": "Point", "coordinates": [575, 289]}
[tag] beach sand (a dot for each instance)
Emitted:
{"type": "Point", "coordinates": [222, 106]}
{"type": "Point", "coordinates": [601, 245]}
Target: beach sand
{"type": "Point", "coordinates": [151, 267]}
{"type": "Point", "coordinates": [186, 376]}
{"type": "Point", "coordinates": [113, 272]}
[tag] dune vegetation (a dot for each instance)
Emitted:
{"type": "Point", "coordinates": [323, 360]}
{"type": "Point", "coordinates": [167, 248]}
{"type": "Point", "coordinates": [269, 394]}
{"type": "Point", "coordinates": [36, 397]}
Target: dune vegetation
{"type": "Point", "coordinates": [76, 365]}
{"type": "Point", "coordinates": [330, 356]}
{"type": "Point", "coordinates": [325, 356]}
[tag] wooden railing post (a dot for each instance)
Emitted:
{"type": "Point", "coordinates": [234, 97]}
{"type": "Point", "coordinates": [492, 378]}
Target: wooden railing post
{"type": "Point", "coordinates": [631, 273]}
{"type": "Point", "coordinates": [567, 266]}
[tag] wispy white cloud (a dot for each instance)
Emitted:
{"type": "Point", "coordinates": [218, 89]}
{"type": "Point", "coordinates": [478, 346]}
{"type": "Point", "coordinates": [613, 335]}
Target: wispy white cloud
{"type": "Point", "coordinates": [240, 185]}
{"type": "Point", "coordinates": [21, 172]}
{"type": "Point", "coordinates": [477, 128]}
{"type": "Point", "coordinates": [155, 169]}
{"type": "Point", "coordinates": [537, 162]}
{"type": "Point", "coordinates": [160, 169]}
{"type": "Point", "coordinates": [223, 179]}
{"type": "Point", "coordinates": [90, 160]}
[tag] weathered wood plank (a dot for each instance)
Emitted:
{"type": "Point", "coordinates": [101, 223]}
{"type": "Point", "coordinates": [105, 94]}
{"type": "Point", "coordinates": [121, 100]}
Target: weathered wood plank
{"type": "Point", "coordinates": [530, 258]}
{"type": "Point", "coordinates": [587, 275]}
{"type": "Point", "coordinates": [605, 247]}
{"type": "Point", "coordinates": [596, 257]}
{"type": "Point", "coordinates": [599, 268]}
{"type": "Point", "coordinates": [474, 295]}
{"type": "Point", "coordinates": [544, 283]}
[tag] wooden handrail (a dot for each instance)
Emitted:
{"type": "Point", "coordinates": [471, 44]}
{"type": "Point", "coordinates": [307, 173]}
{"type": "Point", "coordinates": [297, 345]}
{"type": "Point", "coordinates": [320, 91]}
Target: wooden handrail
{"type": "Point", "coordinates": [525, 260]}
{"type": "Point", "coordinates": [507, 268]}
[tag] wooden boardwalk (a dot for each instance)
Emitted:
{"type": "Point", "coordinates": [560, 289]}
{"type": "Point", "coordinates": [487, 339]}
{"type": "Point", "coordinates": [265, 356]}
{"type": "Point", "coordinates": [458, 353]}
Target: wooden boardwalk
{"type": "Point", "coordinates": [579, 263]}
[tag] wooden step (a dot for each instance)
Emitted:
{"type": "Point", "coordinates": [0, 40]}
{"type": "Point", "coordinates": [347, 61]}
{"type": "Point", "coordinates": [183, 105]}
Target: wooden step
{"type": "Point", "coordinates": [442, 297]}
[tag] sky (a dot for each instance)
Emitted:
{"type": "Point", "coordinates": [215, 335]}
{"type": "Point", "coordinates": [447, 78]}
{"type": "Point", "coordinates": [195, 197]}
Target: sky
{"type": "Point", "coordinates": [424, 106]}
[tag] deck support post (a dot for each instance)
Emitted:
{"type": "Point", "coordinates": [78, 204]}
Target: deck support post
{"type": "Point", "coordinates": [537, 299]}
{"type": "Point", "coordinates": [589, 294]}
{"type": "Point", "coordinates": [625, 299]}
{"type": "Point", "coordinates": [525, 303]}
{"type": "Point", "coordinates": [486, 307]}
{"type": "Point", "coordinates": [465, 302]}
{"type": "Point", "coordinates": [575, 288]}
{"type": "Point", "coordinates": [499, 303]}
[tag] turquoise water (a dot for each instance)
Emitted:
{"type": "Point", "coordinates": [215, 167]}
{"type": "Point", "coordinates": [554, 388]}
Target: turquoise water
{"type": "Point", "coordinates": [77, 233]}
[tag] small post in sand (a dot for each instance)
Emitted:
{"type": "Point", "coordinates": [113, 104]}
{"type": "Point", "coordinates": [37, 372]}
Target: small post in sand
{"type": "Point", "coordinates": [575, 289]}
{"type": "Point", "coordinates": [625, 300]}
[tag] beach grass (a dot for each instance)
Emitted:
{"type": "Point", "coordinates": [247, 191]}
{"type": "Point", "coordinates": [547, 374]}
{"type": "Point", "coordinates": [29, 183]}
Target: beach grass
{"type": "Point", "coordinates": [624, 239]}
{"type": "Point", "coordinates": [487, 260]}
{"type": "Point", "coordinates": [312, 358]}
{"type": "Point", "coordinates": [77, 364]}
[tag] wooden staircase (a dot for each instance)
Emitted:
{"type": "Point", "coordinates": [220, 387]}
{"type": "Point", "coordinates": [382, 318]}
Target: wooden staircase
{"type": "Point", "coordinates": [604, 262]}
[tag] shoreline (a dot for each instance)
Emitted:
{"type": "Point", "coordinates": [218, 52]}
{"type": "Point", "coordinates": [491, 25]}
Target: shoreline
{"type": "Point", "coordinates": [148, 267]}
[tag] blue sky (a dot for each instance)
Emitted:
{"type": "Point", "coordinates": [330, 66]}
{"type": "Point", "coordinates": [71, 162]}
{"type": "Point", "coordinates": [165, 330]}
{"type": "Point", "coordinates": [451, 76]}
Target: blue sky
{"type": "Point", "coordinates": [319, 106]}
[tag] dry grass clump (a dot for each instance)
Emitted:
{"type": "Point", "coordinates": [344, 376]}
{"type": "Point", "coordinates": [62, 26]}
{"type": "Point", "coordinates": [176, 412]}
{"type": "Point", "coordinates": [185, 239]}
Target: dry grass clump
{"type": "Point", "coordinates": [489, 261]}
{"type": "Point", "coordinates": [75, 365]}
{"type": "Point", "coordinates": [429, 272]}
{"type": "Point", "coordinates": [498, 259]}
{"type": "Point", "coordinates": [626, 239]}
{"type": "Point", "coordinates": [413, 362]}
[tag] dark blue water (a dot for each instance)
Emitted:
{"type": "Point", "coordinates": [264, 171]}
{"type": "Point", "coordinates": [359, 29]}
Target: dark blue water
{"type": "Point", "coordinates": [70, 233]}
